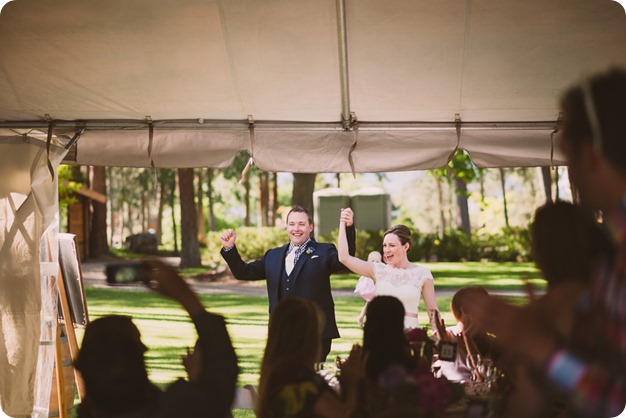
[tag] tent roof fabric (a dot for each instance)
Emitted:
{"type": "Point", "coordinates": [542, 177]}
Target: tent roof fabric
{"type": "Point", "coordinates": [423, 77]}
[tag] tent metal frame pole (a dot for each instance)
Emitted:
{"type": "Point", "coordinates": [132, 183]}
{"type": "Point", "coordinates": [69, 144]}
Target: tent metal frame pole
{"type": "Point", "coordinates": [346, 119]}
{"type": "Point", "coordinates": [68, 129]}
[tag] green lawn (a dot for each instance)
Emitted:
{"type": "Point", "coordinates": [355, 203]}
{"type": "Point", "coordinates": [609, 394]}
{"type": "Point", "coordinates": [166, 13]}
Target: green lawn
{"type": "Point", "coordinates": [494, 276]}
{"type": "Point", "coordinates": [167, 330]}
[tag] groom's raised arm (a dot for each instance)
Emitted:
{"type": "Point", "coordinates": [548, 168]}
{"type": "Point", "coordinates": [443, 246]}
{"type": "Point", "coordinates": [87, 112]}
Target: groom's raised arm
{"type": "Point", "coordinates": [338, 267]}
{"type": "Point", "coordinates": [254, 270]}
{"type": "Point", "coordinates": [351, 236]}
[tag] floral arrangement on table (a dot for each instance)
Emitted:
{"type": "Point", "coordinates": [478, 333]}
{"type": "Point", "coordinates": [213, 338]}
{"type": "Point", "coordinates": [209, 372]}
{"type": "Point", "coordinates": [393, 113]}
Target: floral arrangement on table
{"type": "Point", "coordinates": [430, 395]}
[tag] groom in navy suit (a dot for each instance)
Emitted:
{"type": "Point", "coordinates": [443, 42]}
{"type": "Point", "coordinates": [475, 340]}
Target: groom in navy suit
{"type": "Point", "coordinates": [300, 268]}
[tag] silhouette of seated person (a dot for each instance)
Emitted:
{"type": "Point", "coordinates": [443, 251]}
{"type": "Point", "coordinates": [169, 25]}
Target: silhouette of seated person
{"type": "Point", "coordinates": [568, 246]}
{"type": "Point", "coordinates": [473, 344]}
{"type": "Point", "coordinates": [112, 365]}
{"type": "Point", "coordinates": [289, 385]}
{"type": "Point", "coordinates": [399, 381]}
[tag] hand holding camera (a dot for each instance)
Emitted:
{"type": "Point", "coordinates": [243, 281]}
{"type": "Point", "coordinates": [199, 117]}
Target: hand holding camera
{"type": "Point", "coordinates": [157, 276]}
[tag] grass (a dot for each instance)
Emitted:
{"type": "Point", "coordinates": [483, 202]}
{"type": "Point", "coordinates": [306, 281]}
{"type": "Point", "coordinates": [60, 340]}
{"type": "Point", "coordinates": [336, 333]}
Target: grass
{"type": "Point", "coordinates": [449, 276]}
{"type": "Point", "coordinates": [167, 330]}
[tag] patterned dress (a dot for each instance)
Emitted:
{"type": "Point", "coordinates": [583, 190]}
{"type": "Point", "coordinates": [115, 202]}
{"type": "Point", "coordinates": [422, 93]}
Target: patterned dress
{"type": "Point", "coordinates": [404, 284]}
{"type": "Point", "coordinates": [295, 396]}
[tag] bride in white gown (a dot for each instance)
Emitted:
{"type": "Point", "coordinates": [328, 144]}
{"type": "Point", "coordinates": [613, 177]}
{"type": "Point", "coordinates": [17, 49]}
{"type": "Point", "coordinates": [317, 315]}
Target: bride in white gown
{"type": "Point", "coordinates": [398, 276]}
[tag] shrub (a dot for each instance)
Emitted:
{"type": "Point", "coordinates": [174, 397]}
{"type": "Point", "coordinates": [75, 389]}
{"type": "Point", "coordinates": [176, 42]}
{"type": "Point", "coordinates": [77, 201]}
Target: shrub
{"type": "Point", "coordinates": [366, 241]}
{"type": "Point", "coordinates": [252, 242]}
{"type": "Point", "coordinates": [510, 244]}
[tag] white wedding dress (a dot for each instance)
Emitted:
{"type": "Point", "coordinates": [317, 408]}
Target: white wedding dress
{"type": "Point", "coordinates": [404, 284]}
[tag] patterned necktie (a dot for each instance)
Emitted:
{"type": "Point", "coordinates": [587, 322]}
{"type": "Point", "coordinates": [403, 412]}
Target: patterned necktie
{"type": "Point", "coordinates": [290, 260]}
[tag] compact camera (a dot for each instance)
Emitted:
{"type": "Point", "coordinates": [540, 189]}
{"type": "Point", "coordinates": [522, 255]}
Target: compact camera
{"type": "Point", "coordinates": [125, 273]}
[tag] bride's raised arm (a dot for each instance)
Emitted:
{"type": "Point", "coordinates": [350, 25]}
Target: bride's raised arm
{"type": "Point", "coordinates": [356, 265]}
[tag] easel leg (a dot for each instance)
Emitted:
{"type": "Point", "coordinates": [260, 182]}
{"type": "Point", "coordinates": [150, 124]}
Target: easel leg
{"type": "Point", "coordinates": [71, 333]}
{"type": "Point", "coordinates": [58, 359]}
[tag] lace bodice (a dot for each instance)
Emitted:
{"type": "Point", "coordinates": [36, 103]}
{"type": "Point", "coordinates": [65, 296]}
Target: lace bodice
{"type": "Point", "coordinates": [415, 276]}
{"type": "Point", "coordinates": [404, 284]}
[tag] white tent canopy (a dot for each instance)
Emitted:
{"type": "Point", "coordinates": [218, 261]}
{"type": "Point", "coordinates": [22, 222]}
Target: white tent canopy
{"type": "Point", "coordinates": [302, 85]}
{"type": "Point", "coordinates": [417, 77]}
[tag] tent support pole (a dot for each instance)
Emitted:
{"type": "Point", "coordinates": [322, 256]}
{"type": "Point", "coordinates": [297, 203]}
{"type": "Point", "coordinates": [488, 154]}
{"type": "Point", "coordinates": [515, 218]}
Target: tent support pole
{"type": "Point", "coordinates": [346, 120]}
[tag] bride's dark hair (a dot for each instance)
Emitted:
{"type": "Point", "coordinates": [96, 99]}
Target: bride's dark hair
{"type": "Point", "coordinates": [402, 232]}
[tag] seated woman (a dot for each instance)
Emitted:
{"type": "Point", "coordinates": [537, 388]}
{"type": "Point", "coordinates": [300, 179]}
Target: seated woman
{"type": "Point", "coordinates": [567, 246]}
{"type": "Point", "coordinates": [397, 383]}
{"type": "Point", "coordinates": [288, 385]}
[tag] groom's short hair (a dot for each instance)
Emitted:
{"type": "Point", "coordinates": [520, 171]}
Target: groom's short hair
{"type": "Point", "coordinates": [298, 208]}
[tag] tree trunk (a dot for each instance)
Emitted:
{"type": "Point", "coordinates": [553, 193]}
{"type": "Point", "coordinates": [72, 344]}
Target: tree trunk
{"type": "Point", "coordinates": [110, 210]}
{"type": "Point", "coordinates": [573, 188]}
{"type": "Point", "coordinates": [451, 204]}
{"type": "Point", "coordinates": [556, 183]}
{"type": "Point", "coordinates": [246, 185]}
{"type": "Point", "coordinates": [200, 210]}
{"type": "Point", "coordinates": [461, 199]}
{"type": "Point", "coordinates": [530, 178]}
{"type": "Point", "coordinates": [172, 196]}
{"type": "Point", "coordinates": [547, 183]}
{"type": "Point", "coordinates": [264, 198]}
{"type": "Point", "coordinates": [442, 215]}
{"type": "Point", "coordinates": [190, 250]}
{"type": "Point", "coordinates": [273, 203]}
{"type": "Point", "coordinates": [503, 185]}
{"type": "Point", "coordinates": [303, 188]}
{"type": "Point", "coordinates": [129, 220]}
{"type": "Point", "coordinates": [161, 203]}
{"type": "Point", "coordinates": [209, 181]}
{"type": "Point", "coordinates": [144, 213]}
{"type": "Point", "coordinates": [98, 243]}
{"type": "Point", "coordinates": [120, 224]}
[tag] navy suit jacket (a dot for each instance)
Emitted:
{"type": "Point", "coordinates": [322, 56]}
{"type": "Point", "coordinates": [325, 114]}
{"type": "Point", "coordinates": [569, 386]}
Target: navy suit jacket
{"type": "Point", "coordinates": [309, 279]}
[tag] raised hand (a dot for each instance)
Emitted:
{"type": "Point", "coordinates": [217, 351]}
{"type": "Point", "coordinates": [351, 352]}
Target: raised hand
{"type": "Point", "coordinates": [193, 363]}
{"type": "Point", "coordinates": [441, 328]}
{"type": "Point", "coordinates": [353, 368]}
{"type": "Point", "coordinates": [164, 279]}
{"type": "Point", "coordinates": [228, 238]}
{"type": "Point", "coordinates": [347, 216]}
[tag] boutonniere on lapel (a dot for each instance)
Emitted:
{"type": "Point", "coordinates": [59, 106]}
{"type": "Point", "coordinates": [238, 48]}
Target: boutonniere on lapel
{"type": "Point", "coordinates": [310, 250]}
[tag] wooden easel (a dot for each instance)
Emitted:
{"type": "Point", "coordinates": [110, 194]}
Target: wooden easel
{"type": "Point", "coordinates": [73, 345]}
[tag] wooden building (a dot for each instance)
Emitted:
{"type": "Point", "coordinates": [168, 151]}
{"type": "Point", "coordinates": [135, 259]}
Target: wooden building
{"type": "Point", "coordinates": [79, 218]}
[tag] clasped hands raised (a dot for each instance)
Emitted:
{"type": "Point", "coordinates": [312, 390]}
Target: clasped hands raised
{"type": "Point", "coordinates": [347, 216]}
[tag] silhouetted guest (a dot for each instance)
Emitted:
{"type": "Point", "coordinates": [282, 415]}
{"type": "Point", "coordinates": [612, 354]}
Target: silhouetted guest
{"type": "Point", "coordinates": [288, 385]}
{"type": "Point", "coordinates": [111, 362]}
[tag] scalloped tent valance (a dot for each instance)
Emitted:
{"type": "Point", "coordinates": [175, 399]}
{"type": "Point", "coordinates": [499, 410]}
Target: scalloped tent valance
{"type": "Point", "coordinates": [304, 86]}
